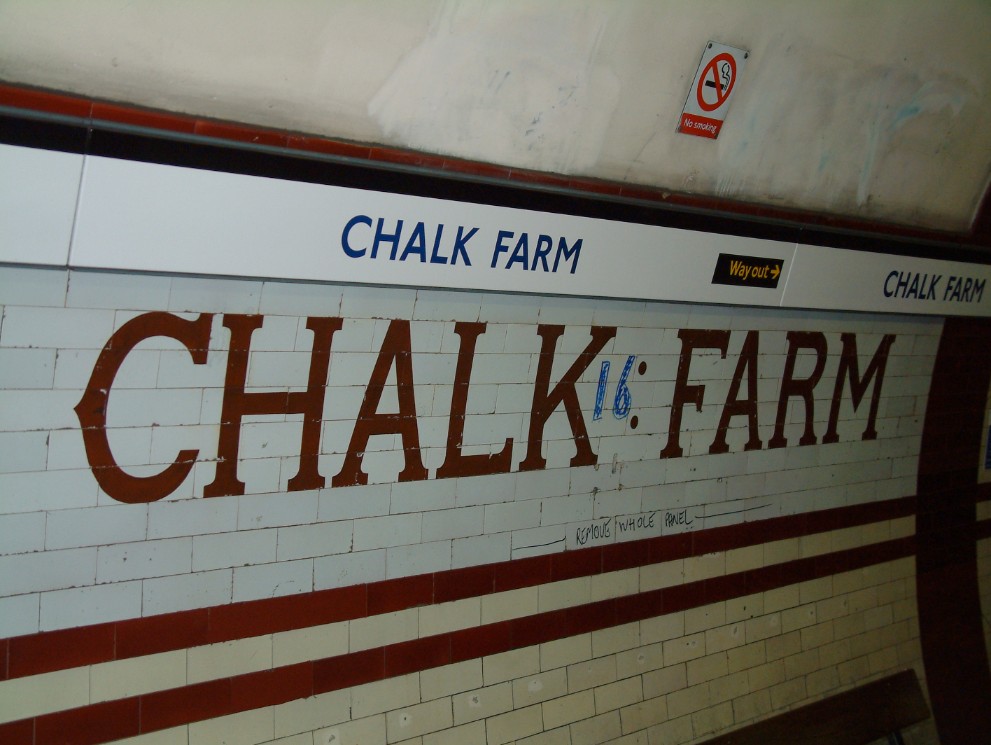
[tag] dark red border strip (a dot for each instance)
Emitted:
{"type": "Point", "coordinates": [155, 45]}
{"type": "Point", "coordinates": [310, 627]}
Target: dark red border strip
{"type": "Point", "coordinates": [950, 620]}
{"type": "Point", "coordinates": [89, 645]}
{"type": "Point", "coordinates": [98, 723]}
{"type": "Point", "coordinates": [93, 110]}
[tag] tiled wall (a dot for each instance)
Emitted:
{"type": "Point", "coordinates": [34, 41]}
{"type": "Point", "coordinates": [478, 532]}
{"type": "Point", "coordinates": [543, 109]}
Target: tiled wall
{"type": "Point", "coordinates": [984, 572]}
{"type": "Point", "coordinates": [587, 590]}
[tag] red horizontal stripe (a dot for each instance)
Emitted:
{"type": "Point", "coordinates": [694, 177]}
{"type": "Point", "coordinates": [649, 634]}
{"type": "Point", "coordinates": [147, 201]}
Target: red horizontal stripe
{"type": "Point", "coordinates": [104, 722]}
{"type": "Point", "coordinates": [212, 699]}
{"type": "Point", "coordinates": [87, 645]}
{"type": "Point", "coordinates": [93, 110]}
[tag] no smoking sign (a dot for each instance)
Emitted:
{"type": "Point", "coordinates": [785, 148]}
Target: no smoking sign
{"type": "Point", "coordinates": [709, 96]}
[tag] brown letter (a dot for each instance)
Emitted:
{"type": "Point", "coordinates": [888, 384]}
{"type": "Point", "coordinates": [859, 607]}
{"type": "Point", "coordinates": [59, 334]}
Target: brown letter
{"type": "Point", "coordinates": [456, 464]}
{"type": "Point", "coordinates": [737, 407]}
{"type": "Point", "coordinates": [238, 403]}
{"type": "Point", "coordinates": [684, 393]}
{"type": "Point", "coordinates": [816, 341]}
{"type": "Point", "coordinates": [92, 408]}
{"type": "Point", "coordinates": [395, 347]}
{"type": "Point", "coordinates": [545, 403]}
{"type": "Point", "coordinates": [858, 385]}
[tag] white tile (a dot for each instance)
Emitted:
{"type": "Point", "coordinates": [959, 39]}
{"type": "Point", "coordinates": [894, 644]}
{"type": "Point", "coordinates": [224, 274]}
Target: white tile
{"type": "Point", "coordinates": [176, 368]}
{"type": "Point", "coordinates": [481, 490]}
{"type": "Point", "coordinates": [342, 503]}
{"type": "Point", "coordinates": [158, 407]}
{"type": "Point", "coordinates": [21, 533]}
{"type": "Point", "coordinates": [66, 449]}
{"type": "Point", "coordinates": [444, 681]}
{"type": "Point", "coordinates": [344, 570]}
{"type": "Point", "coordinates": [385, 695]}
{"type": "Point", "coordinates": [307, 714]}
{"type": "Point", "coordinates": [244, 728]}
{"type": "Point", "coordinates": [186, 591]}
{"type": "Point", "coordinates": [273, 580]}
{"type": "Point", "coordinates": [382, 532]}
{"type": "Point", "coordinates": [417, 720]}
{"type": "Point", "coordinates": [171, 736]}
{"type": "Point", "coordinates": [446, 306]}
{"type": "Point", "coordinates": [138, 370]}
{"type": "Point", "coordinates": [351, 368]}
{"type": "Point", "coordinates": [27, 410]}
{"type": "Point", "coordinates": [19, 615]}
{"type": "Point", "coordinates": [74, 367]}
{"type": "Point", "coordinates": [96, 526]}
{"type": "Point", "coordinates": [377, 302]}
{"type": "Point", "coordinates": [132, 677]}
{"type": "Point", "coordinates": [383, 629]}
{"type": "Point", "coordinates": [312, 643]}
{"type": "Point", "coordinates": [31, 286]}
{"type": "Point", "coordinates": [234, 549]}
{"type": "Point", "coordinates": [567, 509]}
{"type": "Point", "coordinates": [423, 496]}
{"type": "Point", "coordinates": [143, 559]}
{"type": "Point", "coordinates": [422, 558]}
{"type": "Point", "coordinates": [27, 368]}
{"type": "Point", "coordinates": [318, 539]}
{"type": "Point", "coordinates": [539, 541]}
{"type": "Point", "coordinates": [213, 661]}
{"type": "Point", "coordinates": [356, 732]}
{"type": "Point", "coordinates": [274, 510]}
{"type": "Point", "coordinates": [130, 446]}
{"type": "Point", "coordinates": [455, 523]}
{"type": "Point", "coordinates": [269, 439]}
{"type": "Point", "coordinates": [82, 606]}
{"type": "Point", "coordinates": [167, 519]}
{"type": "Point", "coordinates": [477, 550]}
{"type": "Point", "coordinates": [300, 299]}
{"type": "Point", "coordinates": [502, 606]}
{"type": "Point", "coordinates": [564, 594]}
{"type": "Point", "coordinates": [214, 295]}
{"type": "Point", "coordinates": [511, 516]}
{"type": "Point", "coordinates": [506, 308]}
{"type": "Point", "coordinates": [550, 482]}
{"type": "Point", "coordinates": [47, 570]}
{"type": "Point", "coordinates": [118, 290]}
{"type": "Point", "coordinates": [74, 328]}
{"type": "Point", "coordinates": [441, 618]}
{"type": "Point", "coordinates": [41, 694]}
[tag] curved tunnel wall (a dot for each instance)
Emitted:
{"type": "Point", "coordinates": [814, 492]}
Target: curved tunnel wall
{"type": "Point", "coordinates": [311, 512]}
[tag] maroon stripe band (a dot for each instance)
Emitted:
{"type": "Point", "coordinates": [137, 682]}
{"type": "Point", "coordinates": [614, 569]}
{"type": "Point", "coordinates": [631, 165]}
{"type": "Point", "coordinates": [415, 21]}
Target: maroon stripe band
{"type": "Point", "coordinates": [89, 645]}
{"type": "Point", "coordinates": [103, 722]}
{"type": "Point", "coordinates": [950, 622]}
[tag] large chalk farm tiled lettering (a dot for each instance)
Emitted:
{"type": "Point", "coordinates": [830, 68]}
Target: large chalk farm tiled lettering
{"type": "Point", "coordinates": [286, 459]}
{"type": "Point", "coordinates": [180, 445]}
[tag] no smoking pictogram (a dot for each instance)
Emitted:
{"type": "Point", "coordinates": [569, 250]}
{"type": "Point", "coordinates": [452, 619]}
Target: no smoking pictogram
{"type": "Point", "coordinates": [708, 98]}
{"type": "Point", "coordinates": [716, 82]}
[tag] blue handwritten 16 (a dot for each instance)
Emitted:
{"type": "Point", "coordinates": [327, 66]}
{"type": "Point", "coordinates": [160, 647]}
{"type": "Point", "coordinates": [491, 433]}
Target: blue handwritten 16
{"type": "Point", "coordinates": [623, 399]}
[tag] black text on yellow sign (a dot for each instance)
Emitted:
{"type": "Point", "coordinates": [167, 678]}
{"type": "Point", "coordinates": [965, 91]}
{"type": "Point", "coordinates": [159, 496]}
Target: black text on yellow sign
{"type": "Point", "coordinates": [747, 271]}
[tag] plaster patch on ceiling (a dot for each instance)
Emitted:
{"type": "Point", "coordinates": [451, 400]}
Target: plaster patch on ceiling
{"type": "Point", "coordinates": [820, 130]}
{"type": "Point", "coordinates": [519, 84]}
{"type": "Point", "coordinates": [930, 98]}
{"type": "Point", "coordinates": [876, 110]}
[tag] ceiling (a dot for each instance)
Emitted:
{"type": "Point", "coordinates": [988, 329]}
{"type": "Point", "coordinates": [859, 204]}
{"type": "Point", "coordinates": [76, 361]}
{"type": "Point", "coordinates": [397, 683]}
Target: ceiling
{"type": "Point", "coordinates": [878, 111]}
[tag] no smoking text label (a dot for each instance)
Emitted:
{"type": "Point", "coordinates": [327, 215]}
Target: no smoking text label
{"type": "Point", "coordinates": [711, 90]}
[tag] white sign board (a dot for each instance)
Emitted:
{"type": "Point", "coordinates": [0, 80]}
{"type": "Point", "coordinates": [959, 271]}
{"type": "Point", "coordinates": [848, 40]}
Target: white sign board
{"type": "Point", "coordinates": [137, 216]}
{"type": "Point", "coordinates": [711, 91]}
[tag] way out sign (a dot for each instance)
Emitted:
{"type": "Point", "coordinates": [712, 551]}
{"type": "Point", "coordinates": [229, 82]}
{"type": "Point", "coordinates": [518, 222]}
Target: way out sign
{"type": "Point", "coordinates": [709, 96]}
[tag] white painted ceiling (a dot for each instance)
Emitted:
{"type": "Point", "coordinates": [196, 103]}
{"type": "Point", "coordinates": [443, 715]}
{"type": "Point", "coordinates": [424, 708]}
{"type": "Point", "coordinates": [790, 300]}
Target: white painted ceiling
{"type": "Point", "coordinates": [874, 109]}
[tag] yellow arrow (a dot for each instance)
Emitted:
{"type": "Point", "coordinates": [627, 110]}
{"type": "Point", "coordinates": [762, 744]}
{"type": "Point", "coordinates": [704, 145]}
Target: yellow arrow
{"type": "Point", "coordinates": [775, 272]}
